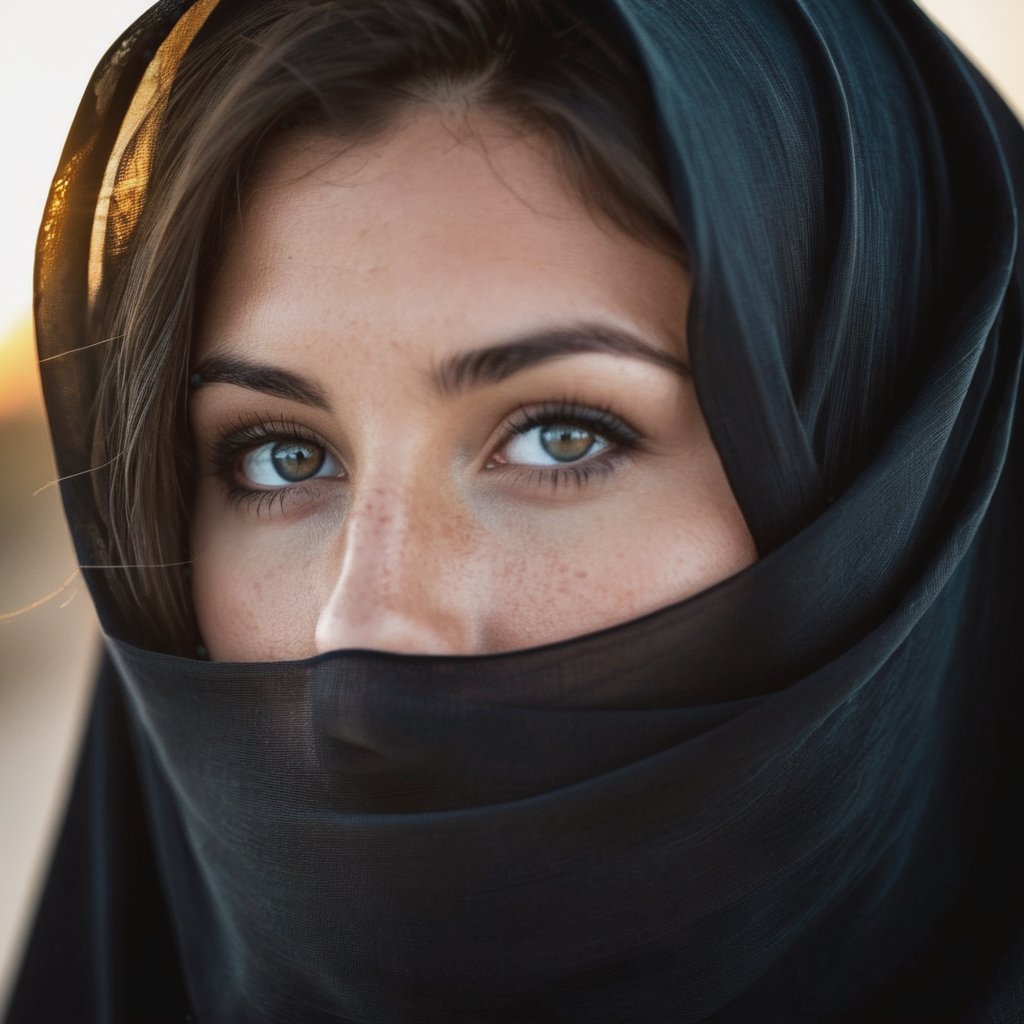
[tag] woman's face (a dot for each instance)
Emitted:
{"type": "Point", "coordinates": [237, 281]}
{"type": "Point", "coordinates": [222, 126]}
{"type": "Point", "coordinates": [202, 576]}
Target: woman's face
{"type": "Point", "coordinates": [443, 409]}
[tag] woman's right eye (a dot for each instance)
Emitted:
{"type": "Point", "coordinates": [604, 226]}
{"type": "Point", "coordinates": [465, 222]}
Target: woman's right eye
{"type": "Point", "coordinates": [290, 461]}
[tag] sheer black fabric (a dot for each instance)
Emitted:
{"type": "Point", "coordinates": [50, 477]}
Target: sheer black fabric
{"type": "Point", "coordinates": [794, 797]}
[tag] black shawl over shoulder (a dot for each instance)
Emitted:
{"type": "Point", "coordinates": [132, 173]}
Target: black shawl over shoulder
{"type": "Point", "coordinates": [793, 797]}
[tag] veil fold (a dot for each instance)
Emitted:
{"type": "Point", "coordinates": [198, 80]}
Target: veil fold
{"type": "Point", "coordinates": [793, 797]}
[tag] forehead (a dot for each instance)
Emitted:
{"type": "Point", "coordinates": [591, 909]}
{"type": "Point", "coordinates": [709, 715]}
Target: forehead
{"type": "Point", "coordinates": [441, 226]}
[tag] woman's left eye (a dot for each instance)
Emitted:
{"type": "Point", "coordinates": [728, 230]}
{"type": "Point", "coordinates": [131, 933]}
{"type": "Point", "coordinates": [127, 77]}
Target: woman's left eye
{"type": "Point", "coordinates": [565, 441]}
{"type": "Point", "coordinates": [553, 444]}
{"type": "Point", "coordinates": [290, 461]}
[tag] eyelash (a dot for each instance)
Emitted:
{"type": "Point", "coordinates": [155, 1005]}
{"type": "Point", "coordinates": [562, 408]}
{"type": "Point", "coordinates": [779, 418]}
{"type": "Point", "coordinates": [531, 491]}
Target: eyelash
{"type": "Point", "coordinates": [624, 441]}
{"type": "Point", "coordinates": [226, 451]}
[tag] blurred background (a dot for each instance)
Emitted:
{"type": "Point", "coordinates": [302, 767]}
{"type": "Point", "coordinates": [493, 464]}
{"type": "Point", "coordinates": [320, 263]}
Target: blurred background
{"type": "Point", "coordinates": [47, 53]}
{"type": "Point", "coordinates": [48, 637]}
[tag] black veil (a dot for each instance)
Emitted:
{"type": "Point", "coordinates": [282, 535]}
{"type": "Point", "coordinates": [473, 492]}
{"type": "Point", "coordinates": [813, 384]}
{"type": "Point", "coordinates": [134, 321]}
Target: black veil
{"type": "Point", "coordinates": [793, 797]}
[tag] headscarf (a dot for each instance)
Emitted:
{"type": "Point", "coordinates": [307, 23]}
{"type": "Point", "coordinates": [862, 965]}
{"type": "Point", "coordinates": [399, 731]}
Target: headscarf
{"type": "Point", "coordinates": [792, 797]}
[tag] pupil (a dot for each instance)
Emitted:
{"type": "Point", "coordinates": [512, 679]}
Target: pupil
{"type": "Point", "coordinates": [295, 460]}
{"type": "Point", "coordinates": [566, 443]}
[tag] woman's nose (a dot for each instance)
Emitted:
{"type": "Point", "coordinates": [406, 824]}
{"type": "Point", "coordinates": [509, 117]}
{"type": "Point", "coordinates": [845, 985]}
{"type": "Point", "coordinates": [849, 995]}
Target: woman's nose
{"type": "Point", "coordinates": [394, 590]}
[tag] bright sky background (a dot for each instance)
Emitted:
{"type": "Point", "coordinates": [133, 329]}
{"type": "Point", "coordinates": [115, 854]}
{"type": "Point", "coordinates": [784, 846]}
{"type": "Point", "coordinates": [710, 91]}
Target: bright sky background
{"type": "Point", "coordinates": [48, 49]}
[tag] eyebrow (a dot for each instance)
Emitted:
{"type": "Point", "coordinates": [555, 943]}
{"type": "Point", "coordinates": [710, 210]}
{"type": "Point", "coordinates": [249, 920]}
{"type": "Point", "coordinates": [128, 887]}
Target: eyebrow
{"type": "Point", "coordinates": [271, 380]}
{"type": "Point", "coordinates": [462, 371]}
{"type": "Point", "coordinates": [495, 363]}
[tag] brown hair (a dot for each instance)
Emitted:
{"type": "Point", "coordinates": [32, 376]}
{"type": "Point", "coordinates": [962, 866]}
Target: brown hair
{"type": "Point", "coordinates": [350, 67]}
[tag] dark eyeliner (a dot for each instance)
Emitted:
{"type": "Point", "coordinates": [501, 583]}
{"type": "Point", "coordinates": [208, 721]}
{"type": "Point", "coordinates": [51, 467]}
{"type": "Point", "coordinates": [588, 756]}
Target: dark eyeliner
{"type": "Point", "coordinates": [225, 452]}
{"type": "Point", "coordinates": [600, 420]}
{"type": "Point", "coordinates": [625, 441]}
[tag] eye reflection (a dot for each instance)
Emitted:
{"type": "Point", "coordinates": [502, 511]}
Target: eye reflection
{"type": "Point", "coordinates": [554, 444]}
{"type": "Point", "coordinates": [288, 462]}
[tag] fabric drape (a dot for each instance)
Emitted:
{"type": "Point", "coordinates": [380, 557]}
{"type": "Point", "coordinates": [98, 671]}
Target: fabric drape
{"type": "Point", "coordinates": [793, 797]}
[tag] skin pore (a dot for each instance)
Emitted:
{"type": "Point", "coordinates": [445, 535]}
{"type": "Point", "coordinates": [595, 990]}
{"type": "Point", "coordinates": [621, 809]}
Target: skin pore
{"type": "Point", "coordinates": [443, 408]}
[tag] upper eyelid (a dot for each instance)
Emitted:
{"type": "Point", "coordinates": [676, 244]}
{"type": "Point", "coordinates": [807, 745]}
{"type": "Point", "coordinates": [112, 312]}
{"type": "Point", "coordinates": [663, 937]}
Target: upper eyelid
{"type": "Point", "coordinates": [276, 427]}
{"type": "Point", "coordinates": [270, 428]}
{"type": "Point", "coordinates": [247, 435]}
{"type": "Point", "coordinates": [589, 416]}
{"type": "Point", "coordinates": [601, 420]}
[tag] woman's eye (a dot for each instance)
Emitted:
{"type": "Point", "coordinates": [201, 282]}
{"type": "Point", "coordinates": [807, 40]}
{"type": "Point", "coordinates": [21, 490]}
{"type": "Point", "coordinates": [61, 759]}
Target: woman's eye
{"type": "Point", "coordinates": [279, 463]}
{"type": "Point", "coordinates": [553, 444]}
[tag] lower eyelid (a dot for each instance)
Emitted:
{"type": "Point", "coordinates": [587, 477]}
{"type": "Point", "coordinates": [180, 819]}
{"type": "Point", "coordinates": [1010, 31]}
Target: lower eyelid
{"type": "Point", "coordinates": [272, 501]}
{"type": "Point", "coordinates": [256, 501]}
{"type": "Point", "coordinates": [575, 474]}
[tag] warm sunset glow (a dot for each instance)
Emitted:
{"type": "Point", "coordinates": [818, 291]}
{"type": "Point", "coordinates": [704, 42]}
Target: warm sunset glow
{"type": "Point", "coordinates": [19, 374]}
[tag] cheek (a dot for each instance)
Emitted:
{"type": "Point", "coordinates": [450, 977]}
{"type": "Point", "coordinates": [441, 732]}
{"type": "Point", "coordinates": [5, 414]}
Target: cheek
{"type": "Point", "coordinates": [248, 592]}
{"type": "Point", "coordinates": [673, 536]}
{"type": "Point", "coordinates": [629, 576]}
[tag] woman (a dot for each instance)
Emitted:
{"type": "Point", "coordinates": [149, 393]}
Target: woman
{"type": "Point", "coordinates": [385, 319]}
